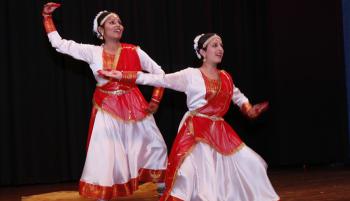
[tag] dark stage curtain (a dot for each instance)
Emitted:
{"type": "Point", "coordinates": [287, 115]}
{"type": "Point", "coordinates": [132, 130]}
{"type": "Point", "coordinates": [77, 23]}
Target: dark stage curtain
{"type": "Point", "coordinates": [287, 52]}
{"type": "Point", "coordinates": [346, 34]}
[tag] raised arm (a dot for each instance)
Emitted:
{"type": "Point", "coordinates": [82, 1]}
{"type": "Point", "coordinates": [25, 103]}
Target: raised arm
{"type": "Point", "coordinates": [249, 110]}
{"type": "Point", "coordinates": [151, 66]}
{"type": "Point", "coordinates": [177, 81]}
{"type": "Point", "coordinates": [78, 51]}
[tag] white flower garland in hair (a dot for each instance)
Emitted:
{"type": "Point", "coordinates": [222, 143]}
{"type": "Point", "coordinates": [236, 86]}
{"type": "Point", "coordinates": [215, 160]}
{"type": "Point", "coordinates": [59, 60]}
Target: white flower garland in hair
{"type": "Point", "coordinates": [195, 45]}
{"type": "Point", "coordinates": [94, 29]}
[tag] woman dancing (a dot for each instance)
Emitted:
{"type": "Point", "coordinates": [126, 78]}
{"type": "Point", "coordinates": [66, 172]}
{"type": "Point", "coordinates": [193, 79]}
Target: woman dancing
{"type": "Point", "coordinates": [208, 160]}
{"type": "Point", "coordinates": [125, 146]}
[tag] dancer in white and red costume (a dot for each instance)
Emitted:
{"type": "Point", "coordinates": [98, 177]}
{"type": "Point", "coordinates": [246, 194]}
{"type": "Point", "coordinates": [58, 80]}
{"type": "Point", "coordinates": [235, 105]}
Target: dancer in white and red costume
{"type": "Point", "coordinates": [208, 160]}
{"type": "Point", "coordinates": [125, 146]}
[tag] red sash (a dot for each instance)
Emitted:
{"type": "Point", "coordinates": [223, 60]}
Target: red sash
{"type": "Point", "coordinates": [204, 125]}
{"type": "Point", "coordinates": [124, 101]}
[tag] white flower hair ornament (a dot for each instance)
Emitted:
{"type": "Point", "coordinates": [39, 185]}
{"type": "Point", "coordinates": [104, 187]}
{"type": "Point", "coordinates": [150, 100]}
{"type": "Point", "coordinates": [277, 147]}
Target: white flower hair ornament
{"type": "Point", "coordinates": [195, 45]}
{"type": "Point", "coordinates": [94, 29]}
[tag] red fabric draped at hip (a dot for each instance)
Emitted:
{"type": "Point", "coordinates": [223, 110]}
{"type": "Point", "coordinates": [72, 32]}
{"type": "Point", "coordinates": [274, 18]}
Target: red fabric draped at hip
{"type": "Point", "coordinates": [123, 102]}
{"type": "Point", "coordinates": [204, 125]}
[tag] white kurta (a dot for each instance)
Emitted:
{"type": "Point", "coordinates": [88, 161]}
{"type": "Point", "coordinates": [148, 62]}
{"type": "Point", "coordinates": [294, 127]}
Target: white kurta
{"type": "Point", "coordinates": [205, 174]}
{"type": "Point", "coordinates": [118, 149]}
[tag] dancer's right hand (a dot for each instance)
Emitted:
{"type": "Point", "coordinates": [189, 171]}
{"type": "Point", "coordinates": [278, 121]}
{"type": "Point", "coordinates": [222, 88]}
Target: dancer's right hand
{"type": "Point", "coordinates": [152, 107]}
{"type": "Point", "coordinates": [49, 8]}
{"type": "Point", "coordinates": [110, 74]}
{"type": "Point", "coordinates": [253, 111]}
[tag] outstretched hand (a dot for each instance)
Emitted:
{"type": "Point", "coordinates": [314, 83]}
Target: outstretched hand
{"type": "Point", "coordinates": [110, 74]}
{"type": "Point", "coordinates": [152, 107]}
{"type": "Point", "coordinates": [257, 109]}
{"type": "Point", "coordinates": [49, 8]}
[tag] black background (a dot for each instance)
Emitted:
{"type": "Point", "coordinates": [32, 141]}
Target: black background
{"type": "Point", "coordinates": [288, 52]}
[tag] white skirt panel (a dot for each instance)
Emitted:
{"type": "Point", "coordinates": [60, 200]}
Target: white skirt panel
{"type": "Point", "coordinates": [118, 149]}
{"type": "Point", "coordinates": [206, 175]}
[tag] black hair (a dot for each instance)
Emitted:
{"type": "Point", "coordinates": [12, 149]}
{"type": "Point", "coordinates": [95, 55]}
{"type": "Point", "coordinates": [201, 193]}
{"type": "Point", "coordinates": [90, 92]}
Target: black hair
{"type": "Point", "coordinates": [203, 39]}
{"type": "Point", "coordinates": [101, 17]}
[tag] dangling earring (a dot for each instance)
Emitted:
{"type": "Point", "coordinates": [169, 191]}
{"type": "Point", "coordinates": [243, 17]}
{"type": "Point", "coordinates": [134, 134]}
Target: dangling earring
{"type": "Point", "coordinates": [204, 59]}
{"type": "Point", "coordinates": [100, 34]}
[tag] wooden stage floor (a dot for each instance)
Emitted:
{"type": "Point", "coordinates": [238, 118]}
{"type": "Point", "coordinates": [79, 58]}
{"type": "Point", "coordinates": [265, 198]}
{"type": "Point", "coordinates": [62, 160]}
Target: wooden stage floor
{"type": "Point", "coordinates": [312, 184]}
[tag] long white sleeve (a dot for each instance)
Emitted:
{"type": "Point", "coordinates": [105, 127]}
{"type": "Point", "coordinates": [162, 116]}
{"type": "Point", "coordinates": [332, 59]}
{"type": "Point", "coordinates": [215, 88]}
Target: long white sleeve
{"type": "Point", "coordinates": [79, 51]}
{"type": "Point", "coordinates": [147, 63]}
{"type": "Point", "coordinates": [176, 81]}
{"type": "Point", "coordinates": [238, 97]}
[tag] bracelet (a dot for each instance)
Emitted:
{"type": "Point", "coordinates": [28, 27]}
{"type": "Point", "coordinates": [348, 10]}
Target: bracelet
{"type": "Point", "coordinates": [46, 14]}
{"type": "Point", "coordinates": [155, 100]}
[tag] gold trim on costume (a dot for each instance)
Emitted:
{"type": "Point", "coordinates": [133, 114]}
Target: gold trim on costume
{"type": "Point", "coordinates": [114, 92]}
{"type": "Point", "coordinates": [190, 130]}
{"type": "Point", "coordinates": [128, 47]}
{"type": "Point", "coordinates": [129, 76]}
{"type": "Point", "coordinates": [188, 153]}
{"type": "Point", "coordinates": [120, 190]}
{"type": "Point", "coordinates": [116, 58]}
{"type": "Point", "coordinates": [116, 117]}
{"type": "Point", "coordinates": [229, 78]}
{"type": "Point", "coordinates": [212, 86]}
{"type": "Point", "coordinates": [217, 149]}
{"type": "Point", "coordinates": [213, 118]}
{"type": "Point", "coordinates": [157, 94]}
{"type": "Point", "coordinates": [177, 168]}
{"type": "Point", "coordinates": [110, 61]}
{"type": "Point", "coordinates": [155, 100]}
{"type": "Point", "coordinates": [173, 198]}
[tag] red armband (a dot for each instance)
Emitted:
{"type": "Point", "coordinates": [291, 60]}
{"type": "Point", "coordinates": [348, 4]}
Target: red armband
{"type": "Point", "coordinates": [48, 23]}
{"type": "Point", "coordinates": [157, 94]}
{"type": "Point", "coordinates": [245, 109]}
{"type": "Point", "coordinates": [129, 77]}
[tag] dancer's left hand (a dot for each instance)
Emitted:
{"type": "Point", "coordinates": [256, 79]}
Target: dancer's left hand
{"type": "Point", "coordinates": [49, 8]}
{"type": "Point", "coordinates": [111, 74]}
{"type": "Point", "coordinates": [257, 109]}
{"type": "Point", "coordinates": [252, 112]}
{"type": "Point", "coordinates": [152, 107]}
